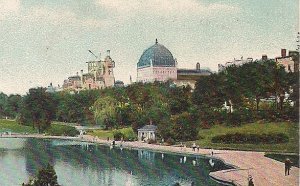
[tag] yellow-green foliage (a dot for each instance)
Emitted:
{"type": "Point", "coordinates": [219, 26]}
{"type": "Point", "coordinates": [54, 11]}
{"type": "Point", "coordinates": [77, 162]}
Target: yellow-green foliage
{"type": "Point", "coordinates": [61, 130]}
{"type": "Point", "coordinates": [288, 128]}
{"type": "Point", "coordinates": [128, 133]}
{"type": "Point", "coordinates": [13, 126]}
{"type": "Point", "coordinates": [55, 129]}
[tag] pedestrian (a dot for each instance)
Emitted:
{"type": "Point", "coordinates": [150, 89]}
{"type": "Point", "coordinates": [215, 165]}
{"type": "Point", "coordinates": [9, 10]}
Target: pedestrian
{"type": "Point", "coordinates": [250, 181]}
{"type": "Point", "coordinates": [198, 147]}
{"type": "Point", "coordinates": [288, 165]}
{"type": "Point", "coordinates": [194, 146]}
{"type": "Point", "coordinates": [107, 138]}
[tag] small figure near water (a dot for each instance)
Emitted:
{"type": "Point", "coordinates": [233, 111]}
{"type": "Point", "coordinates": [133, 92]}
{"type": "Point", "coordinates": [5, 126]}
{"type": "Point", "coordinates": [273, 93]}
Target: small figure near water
{"type": "Point", "coordinates": [288, 165]}
{"type": "Point", "coordinates": [194, 146]}
{"type": "Point", "coordinates": [250, 181]}
{"type": "Point", "coordinates": [181, 145]}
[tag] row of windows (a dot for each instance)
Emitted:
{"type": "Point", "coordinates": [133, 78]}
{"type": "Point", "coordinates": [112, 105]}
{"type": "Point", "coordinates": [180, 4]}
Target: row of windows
{"type": "Point", "coordinates": [164, 72]}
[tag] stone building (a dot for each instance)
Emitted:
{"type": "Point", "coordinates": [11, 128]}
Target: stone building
{"type": "Point", "coordinates": [100, 75]}
{"type": "Point", "coordinates": [236, 62]}
{"type": "Point", "coordinates": [158, 64]}
{"type": "Point", "coordinates": [289, 62]}
{"type": "Point", "coordinates": [147, 133]}
{"type": "Point", "coordinates": [190, 76]}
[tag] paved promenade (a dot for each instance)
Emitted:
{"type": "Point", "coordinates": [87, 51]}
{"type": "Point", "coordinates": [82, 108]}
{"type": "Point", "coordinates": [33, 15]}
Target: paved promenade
{"type": "Point", "coordinates": [265, 171]}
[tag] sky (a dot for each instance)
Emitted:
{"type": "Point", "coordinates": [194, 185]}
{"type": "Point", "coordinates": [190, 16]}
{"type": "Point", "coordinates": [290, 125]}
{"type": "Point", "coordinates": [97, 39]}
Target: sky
{"type": "Point", "coordinates": [47, 41]}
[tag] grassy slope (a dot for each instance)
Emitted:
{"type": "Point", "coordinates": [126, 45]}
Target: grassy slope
{"type": "Point", "coordinates": [13, 126]}
{"type": "Point", "coordinates": [291, 129]}
{"type": "Point", "coordinates": [104, 134]}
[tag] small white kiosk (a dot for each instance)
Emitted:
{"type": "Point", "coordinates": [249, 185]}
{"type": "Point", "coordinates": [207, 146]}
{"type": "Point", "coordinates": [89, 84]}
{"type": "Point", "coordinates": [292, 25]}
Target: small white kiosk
{"type": "Point", "coordinates": [147, 132]}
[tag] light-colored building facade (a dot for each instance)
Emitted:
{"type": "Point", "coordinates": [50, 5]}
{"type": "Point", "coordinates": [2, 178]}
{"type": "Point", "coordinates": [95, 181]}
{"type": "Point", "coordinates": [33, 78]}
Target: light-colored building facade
{"type": "Point", "coordinates": [100, 75]}
{"type": "Point", "coordinates": [188, 77]}
{"type": "Point", "coordinates": [158, 64]}
{"type": "Point", "coordinates": [236, 62]}
{"type": "Point", "coordinates": [147, 133]}
{"type": "Point", "coordinates": [290, 62]}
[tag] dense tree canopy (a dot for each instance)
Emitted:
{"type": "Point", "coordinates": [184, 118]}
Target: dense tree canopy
{"type": "Point", "coordinates": [38, 109]}
{"type": "Point", "coordinates": [253, 91]}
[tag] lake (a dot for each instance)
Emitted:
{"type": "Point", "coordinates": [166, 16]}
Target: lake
{"type": "Point", "coordinates": [82, 163]}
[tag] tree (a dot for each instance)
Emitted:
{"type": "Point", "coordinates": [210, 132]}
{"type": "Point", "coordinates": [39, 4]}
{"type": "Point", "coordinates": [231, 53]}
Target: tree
{"type": "Point", "coordinates": [13, 105]}
{"type": "Point", "coordinates": [208, 92]}
{"type": "Point", "coordinates": [105, 111]}
{"type": "Point", "coordinates": [184, 127]}
{"type": "Point", "coordinates": [38, 109]}
{"type": "Point", "coordinates": [46, 177]}
{"type": "Point", "coordinates": [3, 104]}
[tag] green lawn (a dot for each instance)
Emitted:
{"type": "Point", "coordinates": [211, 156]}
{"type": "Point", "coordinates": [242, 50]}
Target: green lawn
{"type": "Point", "coordinates": [290, 129]}
{"type": "Point", "coordinates": [104, 134]}
{"type": "Point", "coordinates": [55, 129]}
{"type": "Point", "coordinates": [282, 157]}
{"type": "Point", "coordinates": [13, 126]}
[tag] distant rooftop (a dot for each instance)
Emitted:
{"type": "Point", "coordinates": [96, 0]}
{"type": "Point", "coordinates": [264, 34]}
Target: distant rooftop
{"type": "Point", "coordinates": [148, 128]}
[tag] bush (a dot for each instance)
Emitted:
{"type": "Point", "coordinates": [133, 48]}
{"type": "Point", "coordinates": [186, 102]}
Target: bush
{"type": "Point", "coordinates": [151, 141]}
{"type": "Point", "coordinates": [233, 119]}
{"type": "Point", "coordinates": [170, 141]}
{"type": "Point", "coordinates": [60, 130]}
{"type": "Point", "coordinates": [274, 138]}
{"type": "Point", "coordinates": [129, 135]}
{"type": "Point", "coordinates": [118, 135]}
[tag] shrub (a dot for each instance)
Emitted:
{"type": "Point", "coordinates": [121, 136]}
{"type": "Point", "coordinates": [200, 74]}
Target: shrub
{"type": "Point", "coordinates": [129, 135]}
{"type": "Point", "coordinates": [233, 119]}
{"type": "Point", "coordinates": [151, 141]}
{"type": "Point", "coordinates": [170, 141]}
{"type": "Point", "coordinates": [59, 130]}
{"type": "Point", "coordinates": [274, 138]}
{"type": "Point", "coordinates": [118, 135]}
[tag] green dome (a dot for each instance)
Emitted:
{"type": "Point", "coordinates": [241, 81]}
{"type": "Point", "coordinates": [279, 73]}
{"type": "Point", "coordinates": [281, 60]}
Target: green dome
{"type": "Point", "coordinates": [157, 55]}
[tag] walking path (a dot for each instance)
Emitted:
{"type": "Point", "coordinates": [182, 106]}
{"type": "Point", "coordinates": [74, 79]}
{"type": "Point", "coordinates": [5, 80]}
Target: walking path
{"type": "Point", "coordinates": [265, 171]}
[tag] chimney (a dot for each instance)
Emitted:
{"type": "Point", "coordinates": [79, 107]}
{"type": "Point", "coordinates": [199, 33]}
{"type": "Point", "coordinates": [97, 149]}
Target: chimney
{"type": "Point", "coordinates": [283, 52]}
{"type": "Point", "coordinates": [198, 66]}
{"type": "Point", "coordinates": [264, 57]}
{"type": "Point", "coordinates": [108, 52]}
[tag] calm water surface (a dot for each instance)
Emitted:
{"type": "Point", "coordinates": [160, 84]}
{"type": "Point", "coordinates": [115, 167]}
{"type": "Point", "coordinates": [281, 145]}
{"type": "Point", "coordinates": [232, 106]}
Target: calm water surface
{"type": "Point", "coordinates": [80, 163]}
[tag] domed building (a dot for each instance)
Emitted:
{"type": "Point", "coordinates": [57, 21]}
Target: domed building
{"type": "Point", "coordinates": [156, 64]}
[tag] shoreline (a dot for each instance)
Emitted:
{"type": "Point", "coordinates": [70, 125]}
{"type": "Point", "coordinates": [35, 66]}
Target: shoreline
{"type": "Point", "coordinates": [265, 171]}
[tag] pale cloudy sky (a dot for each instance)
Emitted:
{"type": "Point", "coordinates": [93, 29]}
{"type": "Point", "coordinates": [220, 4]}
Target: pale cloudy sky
{"type": "Point", "coordinates": [47, 41]}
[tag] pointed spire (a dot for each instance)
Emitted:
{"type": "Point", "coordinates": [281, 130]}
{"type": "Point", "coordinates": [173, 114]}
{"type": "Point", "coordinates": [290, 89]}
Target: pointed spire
{"type": "Point", "coordinates": [156, 41]}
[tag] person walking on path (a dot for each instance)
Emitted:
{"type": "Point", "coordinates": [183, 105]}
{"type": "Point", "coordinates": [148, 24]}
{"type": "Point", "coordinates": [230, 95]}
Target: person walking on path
{"type": "Point", "coordinates": [194, 146]}
{"type": "Point", "coordinates": [250, 181]}
{"type": "Point", "coordinates": [288, 165]}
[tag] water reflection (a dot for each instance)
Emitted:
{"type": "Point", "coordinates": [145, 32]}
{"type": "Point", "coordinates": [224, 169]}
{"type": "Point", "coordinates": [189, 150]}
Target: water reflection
{"type": "Point", "coordinates": [88, 164]}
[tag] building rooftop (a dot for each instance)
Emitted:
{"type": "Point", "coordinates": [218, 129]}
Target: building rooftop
{"type": "Point", "coordinates": [148, 128]}
{"type": "Point", "coordinates": [157, 56]}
